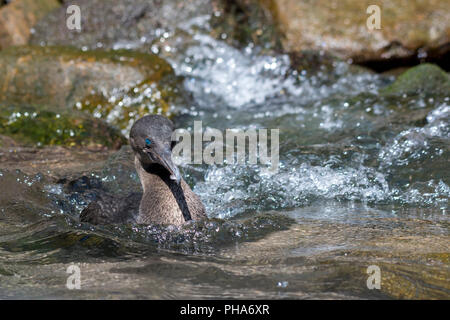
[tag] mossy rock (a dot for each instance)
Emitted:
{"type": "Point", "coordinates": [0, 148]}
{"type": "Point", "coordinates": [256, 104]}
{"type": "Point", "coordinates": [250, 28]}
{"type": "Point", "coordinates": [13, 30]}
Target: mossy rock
{"type": "Point", "coordinates": [61, 76]}
{"type": "Point", "coordinates": [37, 126]}
{"type": "Point", "coordinates": [122, 109]}
{"type": "Point", "coordinates": [425, 78]}
{"type": "Point", "coordinates": [244, 22]}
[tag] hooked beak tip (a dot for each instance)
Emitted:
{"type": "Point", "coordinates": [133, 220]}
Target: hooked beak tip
{"type": "Point", "coordinates": [175, 174]}
{"type": "Point", "coordinates": [176, 178]}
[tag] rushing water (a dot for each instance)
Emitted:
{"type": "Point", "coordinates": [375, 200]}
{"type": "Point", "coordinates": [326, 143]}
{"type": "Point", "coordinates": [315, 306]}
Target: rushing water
{"type": "Point", "coordinates": [359, 184]}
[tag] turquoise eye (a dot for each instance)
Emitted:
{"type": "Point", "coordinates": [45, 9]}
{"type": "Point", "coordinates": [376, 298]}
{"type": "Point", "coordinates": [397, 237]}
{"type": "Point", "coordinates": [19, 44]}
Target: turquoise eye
{"type": "Point", "coordinates": [148, 142]}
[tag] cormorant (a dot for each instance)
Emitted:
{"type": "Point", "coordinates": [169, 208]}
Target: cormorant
{"type": "Point", "coordinates": [166, 199]}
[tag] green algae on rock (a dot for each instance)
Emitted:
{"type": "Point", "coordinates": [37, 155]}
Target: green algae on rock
{"type": "Point", "coordinates": [61, 76]}
{"type": "Point", "coordinates": [244, 22]}
{"type": "Point", "coordinates": [123, 108]}
{"type": "Point", "coordinates": [33, 125]}
{"type": "Point", "coordinates": [425, 78]}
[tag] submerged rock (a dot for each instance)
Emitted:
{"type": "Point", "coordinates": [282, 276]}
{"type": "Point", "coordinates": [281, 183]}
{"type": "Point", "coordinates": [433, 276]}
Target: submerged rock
{"type": "Point", "coordinates": [18, 17]}
{"type": "Point", "coordinates": [57, 161]}
{"type": "Point", "coordinates": [22, 200]}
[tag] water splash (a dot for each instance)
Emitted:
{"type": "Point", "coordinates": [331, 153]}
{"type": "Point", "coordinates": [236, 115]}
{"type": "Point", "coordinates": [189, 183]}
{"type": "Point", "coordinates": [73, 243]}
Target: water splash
{"type": "Point", "coordinates": [417, 143]}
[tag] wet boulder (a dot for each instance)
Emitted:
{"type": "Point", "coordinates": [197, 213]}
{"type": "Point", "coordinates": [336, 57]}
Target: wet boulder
{"type": "Point", "coordinates": [407, 28]}
{"type": "Point", "coordinates": [18, 17]}
{"type": "Point", "coordinates": [426, 79]}
{"type": "Point", "coordinates": [240, 22]}
{"type": "Point", "coordinates": [36, 125]}
{"type": "Point", "coordinates": [61, 76]}
{"type": "Point", "coordinates": [160, 26]}
{"type": "Point", "coordinates": [123, 108]}
{"type": "Point", "coordinates": [118, 24]}
{"type": "Point", "coordinates": [118, 86]}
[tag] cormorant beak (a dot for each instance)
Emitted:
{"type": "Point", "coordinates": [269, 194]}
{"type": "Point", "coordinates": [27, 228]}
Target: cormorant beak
{"type": "Point", "coordinates": [164, 158]}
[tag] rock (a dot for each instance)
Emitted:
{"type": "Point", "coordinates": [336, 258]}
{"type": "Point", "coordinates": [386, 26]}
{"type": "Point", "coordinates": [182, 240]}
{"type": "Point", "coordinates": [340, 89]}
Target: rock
{"type": "Point", "coordinates": [123, 108]}
{"type": "Point", "coordinates": [339, 27]}
{"type": "Point", "coordinates": [425, 79]}
{"type": "Point", "coordinates": [154, 24]}
{"type": "Point", "coordinates": [114, 86]}
{"type": "Point", "coordinates": [36, 125]}
{"type": "Point", "coordinates": [239, 22]}
{"type": "Point", "coordinates": [61, 76]}
{"type": "Point", "coordinates": [6, 141]}
{"type": "Point", "coordinates": [119, 24]}
{"type": "Point", "coordinates": [18, 17]}
{"type": "Point", "coordinates": [56, 161]}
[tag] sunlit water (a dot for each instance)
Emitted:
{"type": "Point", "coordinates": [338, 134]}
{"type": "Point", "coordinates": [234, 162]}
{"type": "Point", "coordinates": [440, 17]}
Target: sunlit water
{"type": "Point", "coordinates": [358, 184]}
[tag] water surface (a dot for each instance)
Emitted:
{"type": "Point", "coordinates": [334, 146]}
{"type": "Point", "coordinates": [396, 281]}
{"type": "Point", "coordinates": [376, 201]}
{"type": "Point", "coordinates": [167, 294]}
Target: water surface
{"type": "Point", "coordinates": [363, 180]}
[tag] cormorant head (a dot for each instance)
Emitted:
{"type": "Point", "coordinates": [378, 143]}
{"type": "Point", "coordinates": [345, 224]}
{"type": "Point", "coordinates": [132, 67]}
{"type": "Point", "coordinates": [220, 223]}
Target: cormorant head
{"type": "Point", "coordinates": [150, 138]}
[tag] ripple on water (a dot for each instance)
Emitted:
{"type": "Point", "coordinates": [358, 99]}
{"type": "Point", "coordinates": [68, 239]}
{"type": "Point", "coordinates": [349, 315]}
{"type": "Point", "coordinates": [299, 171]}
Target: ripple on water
{"type": "Point", "coordinates": [350, 163]}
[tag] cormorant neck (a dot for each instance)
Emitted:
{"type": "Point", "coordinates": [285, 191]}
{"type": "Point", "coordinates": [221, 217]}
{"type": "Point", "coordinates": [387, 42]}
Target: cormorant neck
{"type": "Point", "coordinates": [147, 174]}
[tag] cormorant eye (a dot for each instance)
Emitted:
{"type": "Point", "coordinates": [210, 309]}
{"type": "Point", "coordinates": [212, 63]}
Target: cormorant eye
{"type": "Point", "coordinates": [148, 142]}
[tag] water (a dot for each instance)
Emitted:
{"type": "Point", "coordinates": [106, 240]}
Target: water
{"type": "Point", "coordinates": [363, 180]}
